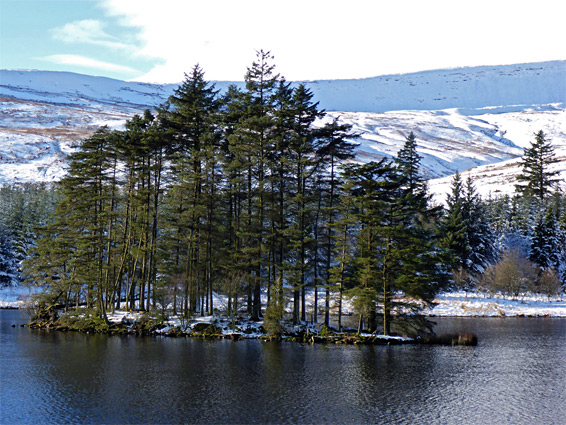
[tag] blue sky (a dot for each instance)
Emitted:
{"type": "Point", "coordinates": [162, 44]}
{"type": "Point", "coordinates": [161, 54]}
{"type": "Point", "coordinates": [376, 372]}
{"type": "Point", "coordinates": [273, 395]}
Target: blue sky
{"type": "Point", "coordinates": [46, 34]}
{"type": "Point", "coordinates": [159, 40]}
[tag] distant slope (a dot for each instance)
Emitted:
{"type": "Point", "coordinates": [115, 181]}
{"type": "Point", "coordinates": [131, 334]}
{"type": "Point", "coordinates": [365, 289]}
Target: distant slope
{"type": "Point", "coordinates": [503, 88]}
{"type": "Point", "coordinates": [70, 89]}
{"type": "Point", "coordinates": [462, 118]}
{"type": "Point", "coordinates": [513, 87]}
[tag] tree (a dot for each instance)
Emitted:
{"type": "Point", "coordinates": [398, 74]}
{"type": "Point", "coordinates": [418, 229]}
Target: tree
{"type": "Point", "coordinates": [397, 244]}
{"type": "Point", "coordinates": [301, 113]}
{"type": "Point", "coordinates": [467, 233]}
{"type": "Point", "coordinates": [408, 164]}
{"type": "Point", "coordinates": [71, 258]}
{"type": "Point", "coordinates": [536, 178]}
{"type": "Point", "coordinates": [191, 119]}
{"type": "Point", "coordinates": [455, 223]}
{"type": "Point", "coordinates": [252, 143]}
{"type": "Point", "coordinates": [333, 149]}
{"type": "Point", "coordinates": [482, 242]}
{"type": "Point", "coordinates": [8, 264]}
{"type": "Point", "coordinates": [545, 247]}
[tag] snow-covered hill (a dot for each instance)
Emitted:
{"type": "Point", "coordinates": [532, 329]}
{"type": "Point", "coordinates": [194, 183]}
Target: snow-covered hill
{"type": "Point", "coordinates": [463, 118]}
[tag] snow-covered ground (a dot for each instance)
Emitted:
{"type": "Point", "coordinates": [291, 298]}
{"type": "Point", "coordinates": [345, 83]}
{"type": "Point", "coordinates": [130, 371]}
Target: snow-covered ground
{"type": "Point", "coordinates": [472, 120]}
{"type": "Point", "coordinates": [452, 304]}
{"type": "Point", "coordinates": [460, 304]}
{"type": "Point", "coordinates": [16, 296]}
{"type": "Point", "coordinates": [463, 118]}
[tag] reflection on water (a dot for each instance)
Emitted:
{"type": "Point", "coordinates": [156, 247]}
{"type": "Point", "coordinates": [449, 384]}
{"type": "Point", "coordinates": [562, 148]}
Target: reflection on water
{"type": "Point", "coordinates": [515, 375]}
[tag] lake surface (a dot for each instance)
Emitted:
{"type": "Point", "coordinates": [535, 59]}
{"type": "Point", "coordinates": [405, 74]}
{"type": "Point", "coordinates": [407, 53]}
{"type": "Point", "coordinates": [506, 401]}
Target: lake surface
{"type": "Point", "coordinates": [516, 375]}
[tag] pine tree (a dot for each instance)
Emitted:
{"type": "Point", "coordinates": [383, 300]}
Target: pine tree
{"type": "Point", "coordinates": [71, 257]}
{"type": "Point", "coordinates": [301, 112]}
{"type": "Point", "coordinates": [467, 233]}
{"type": "Point", "coordinates": [8, 264]}
{"type": "Point", "coordinates": [191, 118]}
{"type": "Point", "coordinates": [397, 245]}
{"type": "Point", "coordinates": [455, 223]}
{"type": "Point", "coordinates": [341, 274]}
{"type": "Point", "coordinates": [408, 164]}
{"type": "Point", "coordinates": [252, 144]}
{"type": "Point", "coordinates": [544, 249]}
{"type": "Point", "coordinates": [481, 238]}
{"type": "Point", "coordinates": [536, 178]}
{"type": "Point", "coordinates": [333, 149]}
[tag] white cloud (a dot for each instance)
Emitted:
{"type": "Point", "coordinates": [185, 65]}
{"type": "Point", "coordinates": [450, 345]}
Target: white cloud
{"type": "Point", "coordinates": [88, 31]}
{"type": "Point", "coordinates": [86, 62]}
{"type": "Point", "coordinates": [315, 39]}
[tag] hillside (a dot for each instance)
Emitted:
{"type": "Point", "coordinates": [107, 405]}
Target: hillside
{"type": "Point", "coordinates": [463, 118]}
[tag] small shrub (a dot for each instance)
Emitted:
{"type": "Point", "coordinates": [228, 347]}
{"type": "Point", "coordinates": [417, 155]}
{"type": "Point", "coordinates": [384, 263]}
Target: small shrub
{"type": "Point", "coordinates": [207, 329]}
{"type": "Point", "coordinates": [325, 331]}
{"type": "Point", "coordinates": [549, 283]}
{"type": "Point", "coordinates": [513, 274]}
{"type": "Point", "coordinates": [274, 312]}
{"type": "Point", "coordinates": [272, 319]}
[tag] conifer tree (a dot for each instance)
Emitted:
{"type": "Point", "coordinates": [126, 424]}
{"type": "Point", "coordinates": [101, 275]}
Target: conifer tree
{"type": "Point", "coordinates": [544, 248]}
{"type": "Point", "coordinates": [455, 223]}
{"type": "Point", "coordinates": [333, 149]}
{"type": "Point", "coordinates": [481, 238]}
{"type": "Point", "coordinates": [71, 258]}
{"type": "Point", "coordinates": [397, 246]}
{"type": "Point", "coordinates": [8, 264]}
{"type": "Point", "coordinates": [191, 118]}
{"type": "Point", "coordinates": [536, 179]}
{"type": "Point", "coordinates": [408, 164]}
{"type": "Point", "coordinates": [341, 274]}
{"type": "Point", "coordinates": [252, 144]}
{"type": "Point", "coordinates": [302, 112]}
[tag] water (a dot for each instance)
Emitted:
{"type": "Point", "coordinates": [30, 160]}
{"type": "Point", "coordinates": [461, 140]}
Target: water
{"type": "Point", "coordinates": [516, 375]}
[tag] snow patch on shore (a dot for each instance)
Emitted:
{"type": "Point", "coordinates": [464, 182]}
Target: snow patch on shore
{"type": "Point", "coordinates": [460, 304]}
{"type": "Point", "coordinates": [451, 304]}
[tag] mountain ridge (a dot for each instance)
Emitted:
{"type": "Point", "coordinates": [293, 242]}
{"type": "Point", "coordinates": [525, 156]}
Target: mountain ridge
{"type": "Point", "coordinates": [469, 89]}
{"type": "Point", "coordinates": [463, 118]}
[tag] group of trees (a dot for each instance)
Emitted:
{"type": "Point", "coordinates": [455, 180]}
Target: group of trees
{"type": "Point", "coordinates": [241, 194]}
{"type": "Point", "coordinates": [23, 208]}
{"type": "Point", "coordinates": [253, 195]}
{"type": "Point", "coordinates": [513, 243]}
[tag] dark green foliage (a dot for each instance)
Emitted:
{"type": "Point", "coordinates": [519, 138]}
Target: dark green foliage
{"type": "Point", "coordinates": [8, 264]}
{"type": "Point", "coordinates": [456, 222]}
{"type": "Point", "coordinates": [23, 208]}
{"type": "Point", "coordinates": [397, 244]}
{"type": "Point", "coordinates": [248, 194]}
{"type": "Point", "coordinates": [468, 234]}
{"type": "Point", "coordinates": [536, 178]}
{"type": "Point", "coordinates": [275, 311]}
{"type": "Point", "coordinates": [545, 244]}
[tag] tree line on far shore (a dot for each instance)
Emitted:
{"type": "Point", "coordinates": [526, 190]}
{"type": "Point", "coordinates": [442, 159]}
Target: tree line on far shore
{"type": "Point", "coordinates": [254, 193]}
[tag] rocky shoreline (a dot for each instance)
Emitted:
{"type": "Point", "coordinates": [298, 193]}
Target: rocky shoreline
{"type": "Point", "coordinates": [223, 327]}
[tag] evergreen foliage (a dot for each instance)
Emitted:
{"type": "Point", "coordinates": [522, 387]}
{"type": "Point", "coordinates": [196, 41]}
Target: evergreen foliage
{"type": "Point", "coordinates": [536, 179]}
{"type": "Point", "coordinates": [8, 263]}
{"type": "Point", "coordinates": [468, 233]}
{"type": "Point", "coordinates": [252, 194]}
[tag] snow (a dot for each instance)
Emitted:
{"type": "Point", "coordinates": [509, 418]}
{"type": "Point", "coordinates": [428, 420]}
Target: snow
{"type": "Point", "coordinates": [461, 304]}
{"type": "Point", "coordinates": [474, 91]}
{"type": "Point", "coordinates": [476, 119]}
{"type": "Point", "coordinates": [452, 304]}
{"type": "Point", "coordinates": [473, 120]}
{"type": "Point", "coordinates": [15, 296]}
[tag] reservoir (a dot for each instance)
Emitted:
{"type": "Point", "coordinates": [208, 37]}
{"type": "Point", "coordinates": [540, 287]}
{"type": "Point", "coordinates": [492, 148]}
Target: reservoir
{"type": "Point", "coordinates": [516, 375]}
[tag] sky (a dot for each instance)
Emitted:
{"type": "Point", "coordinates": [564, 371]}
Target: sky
{"type": "Point", "coordinates": [159, 40]}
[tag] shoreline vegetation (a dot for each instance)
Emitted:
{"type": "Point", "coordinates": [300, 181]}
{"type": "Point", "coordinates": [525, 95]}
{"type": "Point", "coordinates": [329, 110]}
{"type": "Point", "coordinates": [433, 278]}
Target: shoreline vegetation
{"type": "Point", "coordinates": [225, 327]}
{"type": "Point", "coordinates": [239, 327]}
{"type": "Point", "coordinates": [251, 203]}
